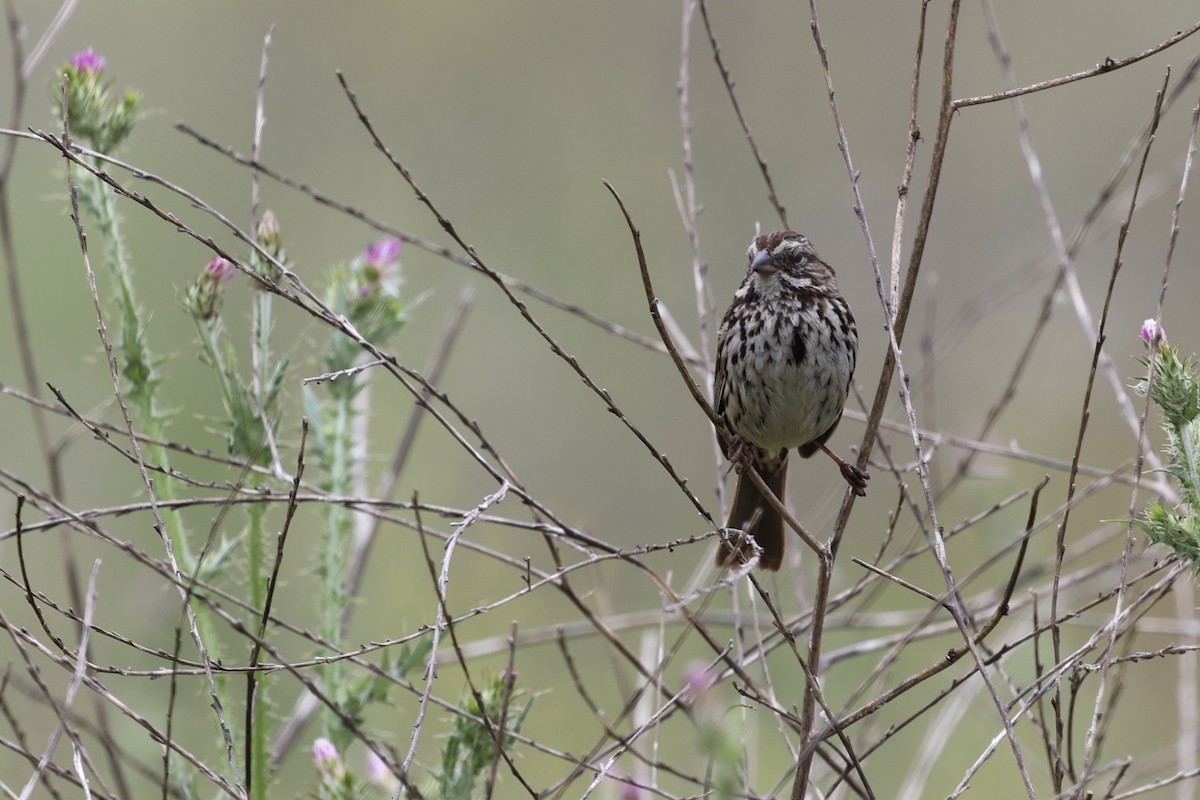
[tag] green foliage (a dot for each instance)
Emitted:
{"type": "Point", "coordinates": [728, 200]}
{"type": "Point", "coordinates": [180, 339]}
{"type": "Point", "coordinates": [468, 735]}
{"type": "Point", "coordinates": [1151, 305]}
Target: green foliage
{"type": "Point", "coordinates": [468, 752]}
{"type": "Point", "coordinates": [1176, 392]}
{"type": "Point", "coordinates": [470, 748]}
{"type": "Point", "coordinates": [1180, 532]}
{"type": "Point", "coordinates": [1175, 388]}
{"type": "Point", "coordinates": [355, 695]}
{"type": "Point", "coordinates": [246, 428]}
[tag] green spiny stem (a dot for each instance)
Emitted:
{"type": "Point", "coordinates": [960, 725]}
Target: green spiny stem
{"type": "Point", "coordinates": [336, 535]}
{"type": "Point", "coordinates": [1184, 434]}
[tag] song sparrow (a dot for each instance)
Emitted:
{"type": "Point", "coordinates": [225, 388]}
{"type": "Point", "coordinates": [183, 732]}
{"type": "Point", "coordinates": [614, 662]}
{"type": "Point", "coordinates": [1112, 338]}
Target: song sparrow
{"type": "Point", "coordinates": [785, 356]}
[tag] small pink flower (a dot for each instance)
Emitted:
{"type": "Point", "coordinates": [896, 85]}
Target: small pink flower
{"type": "Point", "coordinates": [89, 61]}
{"type": "Point", "coordinates": [220, 269]}
{"type": "Point", "coordinates": [377, 265]}
{"type": "Point", "coordinates": [268, 233]}
{"type": "Point", "coordinates": [697, 680]}
{"type": "Point", "coordinates": [383, 254]}
{"type": "Point", "coordinates": [326, 757]}
{"type": "Point", "coordinates": [1152, 333]}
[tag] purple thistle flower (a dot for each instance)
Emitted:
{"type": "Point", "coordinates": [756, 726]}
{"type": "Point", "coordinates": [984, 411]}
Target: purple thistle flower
{"type": "Point", "coordinates": [220, 269]}
{"type": "Point", "coordinates": [1152, 333]}
{"type": "Point", "coordinates": [383, 254]}
{"type": "Point", "coordinates": [89, 61]}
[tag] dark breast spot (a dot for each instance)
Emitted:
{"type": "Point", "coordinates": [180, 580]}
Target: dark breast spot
{"type": "Point", "coordinates": [798, 349]}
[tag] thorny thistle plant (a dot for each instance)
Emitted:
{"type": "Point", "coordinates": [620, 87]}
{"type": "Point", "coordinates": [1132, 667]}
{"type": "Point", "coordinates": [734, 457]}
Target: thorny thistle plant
{"type": "Point", "coordinates": [100, 119]}
{"type": "Point", "coordinates": [98, 116]}
{"type": "Point", "coordinates": [366, 292]}
{"type": "Point", "coordinates": [1175, 389]}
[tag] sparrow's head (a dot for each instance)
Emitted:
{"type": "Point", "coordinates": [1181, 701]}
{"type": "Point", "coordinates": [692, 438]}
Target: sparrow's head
{"type": "Point", "coordinates": [790, 256]}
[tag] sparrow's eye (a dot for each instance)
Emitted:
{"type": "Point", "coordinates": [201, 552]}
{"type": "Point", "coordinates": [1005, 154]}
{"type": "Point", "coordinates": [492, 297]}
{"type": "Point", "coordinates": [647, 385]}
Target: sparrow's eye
{"type": "Point", "coordinates": [795, 251]}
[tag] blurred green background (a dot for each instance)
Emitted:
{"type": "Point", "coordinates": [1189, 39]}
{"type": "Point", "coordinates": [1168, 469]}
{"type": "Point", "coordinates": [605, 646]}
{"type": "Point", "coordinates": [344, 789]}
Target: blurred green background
{"type": "Point", "coordinates": [510, 115]}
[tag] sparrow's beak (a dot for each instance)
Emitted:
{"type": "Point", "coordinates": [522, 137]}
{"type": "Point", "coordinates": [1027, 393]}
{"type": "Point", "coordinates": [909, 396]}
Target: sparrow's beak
{"type": "Point", "coordinates": [763, 263]}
